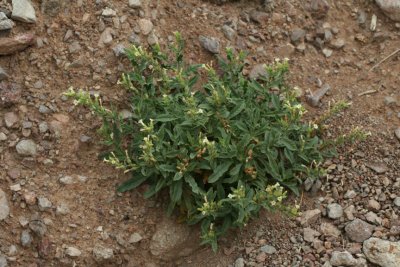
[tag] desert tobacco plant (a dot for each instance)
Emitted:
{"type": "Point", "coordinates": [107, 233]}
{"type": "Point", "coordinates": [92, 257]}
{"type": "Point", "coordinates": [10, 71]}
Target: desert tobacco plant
{"type": "Point", "coordinates": [222, 147]}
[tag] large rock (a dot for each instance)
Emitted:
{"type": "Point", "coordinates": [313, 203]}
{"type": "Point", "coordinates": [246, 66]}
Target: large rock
{"type": "Point", "coordinates": [4, 208]}
{"type": "Point", "coordinates": [309, 217]}
{"type": "Point", "coordinates": [211, 44]}
{"type": "Point", "coordinates": [343, 258]}
{"type": "Point", "coordinates": [358, 230]}
{"type": "Point", "coordinates": [173, 240]}
{"type": "Point", "coordinates": [26, 148]}
{"type": "Point", "coordinates": [391, 8]}
{"type": "Point", "coordinates": [102, 253]}
{"type": "Point", "coordinates": [382, 252]}
{"type": "Point", "coordinates": [23, 11]}
{"type": "Point", "coordinates": [11, 45]}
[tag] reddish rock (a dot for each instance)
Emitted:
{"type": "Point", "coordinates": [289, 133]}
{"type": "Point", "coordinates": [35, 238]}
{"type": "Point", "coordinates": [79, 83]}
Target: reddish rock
{"type": "Point", "coordinates": [10, 45]}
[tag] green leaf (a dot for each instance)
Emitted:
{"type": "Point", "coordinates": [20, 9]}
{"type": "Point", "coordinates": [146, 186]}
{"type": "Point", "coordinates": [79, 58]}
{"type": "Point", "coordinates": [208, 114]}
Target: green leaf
{"type": "Point", "coordinates": [178, 176]}
{"type": "Point", "coordinates": [175, 191]}
{"type": "Point", "coordinates": [193, 184]}
{"type": "Point", "coordinates": [132, 183]}
{"type": "Point", "coordinates": [219, 172]}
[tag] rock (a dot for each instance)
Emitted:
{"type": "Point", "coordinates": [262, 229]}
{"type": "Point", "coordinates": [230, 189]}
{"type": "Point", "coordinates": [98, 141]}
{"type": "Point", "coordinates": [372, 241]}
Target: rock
{"type": "Point", "coordinates": [62, 209]}
{"type": "Point", "coordinates": [297, 35]}
{"type": "Point", "coordinates": [10, 118]}
{"type": "Point", "coordinates": [229, 33]}
{"type": "Point", "coordinates": [146, 26]}
{"type": "Point", "coordinates": [373, 218]}
{"type": "Point", "coordinates": [135, 237]}
{"type": "Point", "coordinates": [374, 205]}
{"type": "Point", "coordinates": [390, 101]}
{"type": "Point", "coordinates": [377, 167]}
{"type": "Point", "coordinates": [3, 136]}
{"type": "Point", "coordinates": [358, 230]}
{"type": "Point", "coordinates": [384, 253]}
{"type": "Point", "coordinates": [172, 240]}
{"type": "Point", "coordinates": [258, 16]}
{"type": "Point", "coordinates": [106, 37]}
{"type": "Point", "coordinates": [334, 210]}
{"type": "Point", "coordinates": [239, 262]}
{"type": "Point", "coordinates": [38, 227]}
{"type": "Point", "coordinates": [342, 259]}
{"type": "Point", "coordinates": [134, 39]}
{"type": "Point", "coordinates": [108, 12]}
{"type": "Point", "coordinates": [67, 180]}
{"type": "Point", "coordinates": [74, 47]}
{"type": "Point", "coordinates": [391, 8]}
{"type": "Point", "coordinates": [52, 7]}
{"type": "Point", "coordinates": [268, 249]}
{"type": "Point", "coordinates": [44, 203]}
{"type": "Point", "coordinates": [397, 133]}
{"type": "Point", "coordinates": [135, 3]}
{"type": "Point", "coordinates": [337, 43]}
{"type": "Point", "coordinates": [327, 52]}
{"type": "Point", "coordinates": [309, 217]}
{"type": "Point", "coordinates": [258, 71]}
{"type": "Point", "coordinates": [5, 23]}
{"type": "Point", "coordinates": [102, 253]}
{"type": "Point", "coordinates": [23, 10]}
{"type": "Point", "coordinates": [396, 202]}
{"type": "Point", "coordinates": [26, 238]}
{"type": "Point", "coordinates": [309, 234]}
{"type": "Point", "coordinates": [4, 208]}
{"type": "Point", "coordinates": [211, 44]}
{"type": "Point", "coordinates": [11, 45]}
{"type": "Point", "coordinates": [73, 252]}
{"type": "Point", "coordinates": [119, 50]}
{"type": "Point", "coordinates": [319, 8]}
{"type": "Point", "coordinates": [30, 198]}
{"type": "Point", "coordinates": [285, 51]}
{"type": "Point", "coordinates": [328, 229]}
{"type": "Point", "coordinates": [3, 74]}
{"type": "Point", "coordinates": [350, 194]}
{"type": "Point", "coordinates": [26, 147]}
{"type": "Point", "coordinates": [3, 261]}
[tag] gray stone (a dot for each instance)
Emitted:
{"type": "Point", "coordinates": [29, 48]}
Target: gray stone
{"type": "Point", "coordinates": [374, 205]}
{"type": "Point", "coordinates": [397, 133]}
{"type": "Point", "coordinates": [135, 3]}
{"type": "Point", "coordinates": [377, 167]}
{"type": "Point", "coordinates": [62, 209]}
{"type": "Point", "coordinates": [108, 12]}
{"type": "Point", "coordinates": [239, 262]}
{"type": "Point", "coordinates": [259, 16]}
{"type": "Point", "coordinates": [228, 32]}
{"type": "Point", "coordinates": [38, 227]}
{"type": "Point", "coordinates": [328, 229]}
{"type": "Point", "coordinates": [26, 147]}
{"type": "Point", "coordinates": [173, 240]}
{"type": "Point", "coordinates": [6, 24]}
{"type": "Point", "coordinates": [106, 37]}
{"type": "Point", "coordinates": [309, 234]}
{"type": "Point", "coordinates": [268, 249]}
{"type": "Point", "coordinates": [146, 26]}
{"type": "Point", "coordinates": [4, 208]}
{"type": "Point", "coordinates": [67, 180]}
{"type": "Point", "coordinates": [391, 8]}
{"type": "Point", "coordinates": [26, 238]}
{"type": "Point", "coordinates": [350, 194]}
{"type": "Point", "coordinates": [43, 127]}
{"type": "Point", "coordinates": [309, 217]}
{"type": "Point", "coordinates": [259, 71]}
{"type": "Point", "coordinates": [102, 253]}
{"type": "Point", "coordinates": [52, 7]}
{"type": "Point", "coordinates": [3, 136]}
{"type": "Point", "coordinates": [390, 101]}
{"type": "Point", "coordinates": [343, 258]}
{"type": "Point", "coordinates": [373, 218]}
{"type": "Point", "coordinates": [327, 52]}
{"type": "Point", "coordinates": [44, 203]}
{"type": "Point", "coordinates": [134, 39]}
{"type": "Point", "coordinates": [135, 237]}
{"type": "Point", "coordinates": [384, 253]}
{"type": "Point", "coordinates": [44, 110]}
{"type": "Point", "coordinates": [297, 35]}
{"type": "Point", "coordinates": [335, 211]}
{"type": "Point", "coordinates": [74, 47]}
{"type": "Point", "coordinates": [396, 202]}
{"type": "Point", "coordinates": [358, 230]}
{"type": "Point", "coordinates": [73, 252]}
{"type": "Point", "coordinates": [3, 74]}
{"type": "Point", "coordinates": [337, 43]}
{"type": "Point", "coordinates": [10, 118]}
{"type": "Point", "coordinates": [3, 261]}
{"type": "Point", "coordinates": [211, 44]}
{"type": "Point", "coordinates": [23, 10]}
{"type": "Point", "coordinates": [119, 50]}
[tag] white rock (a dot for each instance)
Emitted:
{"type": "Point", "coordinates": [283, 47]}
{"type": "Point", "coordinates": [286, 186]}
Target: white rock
{"type": "Point", "coordinates": [44, 203]}
{"type": "Point", "coordinates": [102, 253]}
{"type": "Point", "coordinates": [382, 252]}
{"type": "Point", "coordinates": [135, 237]}
{"type": "Point", "coordinates": [135, 3]}
{"type": "Point", "coordinates": [108, 12]}
{"type": "Point", "coordinates": [23, 10]}
{"type": "Point", "coordinates": [67, 180]}
{"type": "Point", "coordinates": [4, 208]}
{"type": "Point", "coordinates": [335, 211]}
{"type": "Point", "coordinates": [146, 26]}
{"type": "Point", "coordinates": [343, 258]}
{"type": "Point", "coordinates": [73, 252]}
{"type": "Point", "coordinates": [391, 8]}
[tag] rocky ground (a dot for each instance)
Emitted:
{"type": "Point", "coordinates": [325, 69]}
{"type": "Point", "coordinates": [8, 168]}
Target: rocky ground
{"type": "Point", "coordinates": [58, 205]}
